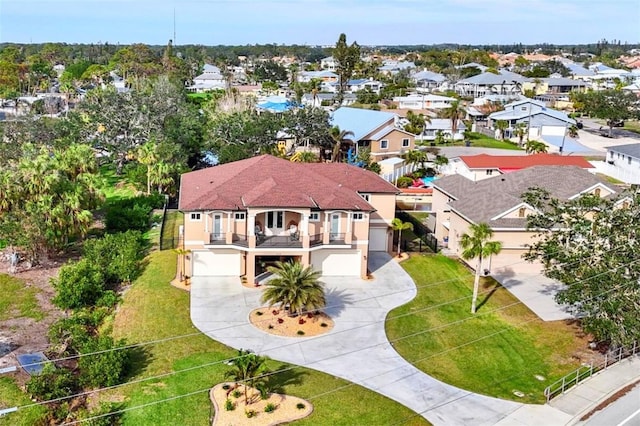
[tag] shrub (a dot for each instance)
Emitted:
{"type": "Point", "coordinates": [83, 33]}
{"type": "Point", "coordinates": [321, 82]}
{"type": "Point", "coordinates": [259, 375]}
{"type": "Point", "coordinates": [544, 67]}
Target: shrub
{"type": "Point", "coordinates": [52, 383]}
{"type": "Point", "coordinates": [269, 408]}
{"type": "Point", "coordinates": [118, 255]}
{"type": "Point", "coordinates": [109, 414]}
{"type": "Point", "coordinates": [75, 331]}
{"type": "Point", "coordinates": [259, 313]}
{"type": "Point", "coordinates": [250, 413]}
{"type": "Point", "coordinates": [79, 284]}
{"type": "Point", "coordinates": [109, 299]}
{"type": "Point", "coordinates": [324, 324]}
{"type": "Point", "coordinates": [236, 393]}
{"type": "Point", "coordinates": [404, 182]}
{"type": "Point", "coordinates": [107, 368]}
{"type": "Point", "coordinates": [300, 333]}
{"type": "Point", "coordinates": [131, 213]}
{"type": "Point", "coordinates": [300, 406]}
{"type": "Point", "coordinates": [229, 405]}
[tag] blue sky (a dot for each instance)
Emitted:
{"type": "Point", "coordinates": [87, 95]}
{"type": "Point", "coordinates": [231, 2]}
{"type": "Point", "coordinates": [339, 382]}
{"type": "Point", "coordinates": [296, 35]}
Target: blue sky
{"type": "Point", "coordinates": [369, 22]}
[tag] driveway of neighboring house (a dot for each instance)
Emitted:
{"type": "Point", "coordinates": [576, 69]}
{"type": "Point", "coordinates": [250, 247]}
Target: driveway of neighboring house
{"type": "Point", "coordinates": [356, 349]}
{"type": "Point", "coordinates": [526, 282]}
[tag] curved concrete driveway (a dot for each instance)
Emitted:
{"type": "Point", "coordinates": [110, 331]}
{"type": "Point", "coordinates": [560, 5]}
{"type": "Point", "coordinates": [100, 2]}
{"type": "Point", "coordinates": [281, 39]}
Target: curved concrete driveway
{"type": "Point", "coordinates": [356, 349]}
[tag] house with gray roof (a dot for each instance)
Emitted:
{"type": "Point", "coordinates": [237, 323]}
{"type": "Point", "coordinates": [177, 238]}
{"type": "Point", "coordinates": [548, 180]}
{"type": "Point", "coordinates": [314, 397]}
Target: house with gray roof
{"type": "Point", "coordinates": [428, 80]}
{"type": "Point", "coordinates": [503, 83]}
{"type": "Point", "coordinates": [541, 121]}
{"type": "Point", "coordinates": [459, 202]}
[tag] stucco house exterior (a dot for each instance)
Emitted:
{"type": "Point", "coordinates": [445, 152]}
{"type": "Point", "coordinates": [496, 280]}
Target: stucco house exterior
{"type": "Point", "coordinates": [210, 79]}
{"type": "Point", "coordinates": [459, 202]}
{"type": "Point", "coordinates": [375, 130]}
{"type": "Point", "coordinates": [428, 101]}
{"type": "Point", "coordinates": [444, 125]}
{"type": "Point", "coordinates": [243, 216]}
{"type": "Point", "coordinates": [540, 120]}
{"type": "Point", "coordinates": [485, 166]}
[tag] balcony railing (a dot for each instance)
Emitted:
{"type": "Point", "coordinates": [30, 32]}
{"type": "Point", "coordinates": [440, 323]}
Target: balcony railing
{"type": "Point", "coordinates": [291, 241]}
{"type": "Point", "coordinates": [315, 240]}
{"type": "Point", "coordinates": [217, 238]}
{"type": "Point", "coordinates": [336, 238]}
{"type": "Point", "coordinates": [240, 240]}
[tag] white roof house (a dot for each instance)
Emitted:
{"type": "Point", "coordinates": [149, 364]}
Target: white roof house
{"type": "Point", "coordinates": [210, 79]}
{"type": "Point", "coordinates": [423, 101]}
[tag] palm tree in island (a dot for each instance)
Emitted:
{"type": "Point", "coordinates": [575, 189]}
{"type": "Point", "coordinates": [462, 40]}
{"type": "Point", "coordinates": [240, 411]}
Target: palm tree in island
{"type": "Point", "coordinates": [338, 137]}
{"type": "Point", "coordinates": [247, 367]}
{"type": "Point", "coordinates": [476, 245]}
{"type": "Point", "coordinates": [295, 288]}
{"type": "Point", "coordinates": [520, 131]}
{"type": "Point", "coordinates": [399, 225]}
{"type": "Point", "coordinates": [535, 147]}
{"type": "Point", "coordinates": [502, 126]}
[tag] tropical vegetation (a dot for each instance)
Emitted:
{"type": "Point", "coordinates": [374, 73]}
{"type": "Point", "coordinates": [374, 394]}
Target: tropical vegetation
{"type": "Point", "coordinates": [295, 288]}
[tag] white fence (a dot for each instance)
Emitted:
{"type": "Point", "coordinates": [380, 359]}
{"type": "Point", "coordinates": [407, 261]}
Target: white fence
{"type": "Point", "coordinates": [393, 177]}
{"type": "Point", "coordinates": [624, 175]}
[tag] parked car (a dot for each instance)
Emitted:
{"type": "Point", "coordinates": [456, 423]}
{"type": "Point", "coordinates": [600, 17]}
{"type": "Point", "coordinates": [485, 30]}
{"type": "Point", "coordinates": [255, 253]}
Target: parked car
{"type": "Point", "coordinates": [615, 123]}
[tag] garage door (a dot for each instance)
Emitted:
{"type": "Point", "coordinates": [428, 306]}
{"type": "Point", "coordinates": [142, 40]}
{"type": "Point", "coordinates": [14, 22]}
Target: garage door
{"type": "Point", "coordinates": [337, 262]}
{"type": "Point", "coordinates": [378, 239]}
{"type": "Point", "coordinates": [208, 263]}
{"type": "Point", "coordinates": [509, 261]}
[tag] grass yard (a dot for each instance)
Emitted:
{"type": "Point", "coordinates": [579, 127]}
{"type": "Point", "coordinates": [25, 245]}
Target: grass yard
{"type": "Point", "coordinates": [115, 187]}
{"type": "Point", "coordinates": [171, 227]}
{"type": "Point", "coordinates": [463, 353]}
{"type": "Point", "coordinates": [18, 300]}
{"type": "Point", "coordinates": [12, 396]}
{"type": "Point", "coordinates": [153, 310]}
{"type": "Point", "coordinates": [479, 140]}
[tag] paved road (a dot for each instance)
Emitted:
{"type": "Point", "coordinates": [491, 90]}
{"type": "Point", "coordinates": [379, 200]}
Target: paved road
{"type": "Point", "coordinates": [623, 412]}
{"type": "Point", "coordinates": [356, 349]}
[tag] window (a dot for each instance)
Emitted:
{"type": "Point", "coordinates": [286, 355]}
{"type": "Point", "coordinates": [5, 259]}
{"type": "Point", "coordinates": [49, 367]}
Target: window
{"type": "Point", "coordinates": [240, 216]}
{"type": "Point", "coordinates": [314, 217]}
{"type": "Point", "coordinates": [358, 216]}
{"type": "Point", "coordinates": [384, 144]}
{"type": "Point", "coordinates": [489, 172]}
{"type": "Point", "coordinates": [367, 197]}
{"type": "Point", "coordinates": [524, 108]}
{"type": "Point", "coordinates": [195, 217]}
{"type": "Point", "coordinates": [629, 160]}
{"type": "Point", "coordinates": [596, 192]}
{"type": "Point", "coordinates": [521, 212]}
{"type": "Point", "coordinates": [405, 143]}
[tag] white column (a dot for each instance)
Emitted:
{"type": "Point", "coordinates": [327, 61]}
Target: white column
{"type": "Point", "coordinates": [229, 221]}
{"type": "Point", "coordinates": [251, 225]}
{"type": "Point", "coordinates": [206, 221]}
{"type": "Point", "coordinates": [304, 224]}
{"type": "Point", "coordinates": [349, 220]}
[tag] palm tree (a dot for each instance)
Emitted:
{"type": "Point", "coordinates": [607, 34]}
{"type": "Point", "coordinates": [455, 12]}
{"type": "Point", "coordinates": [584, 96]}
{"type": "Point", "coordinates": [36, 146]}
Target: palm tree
{"type": "Point", "coordinates": [182, 256]}
{"type": "Point", "coordinates": [454, 113]}
{"type": "Point", "coordinates": [304, 157]}
{"type": "Point", "coordinates": [247, 367]}
{"type": "Point", "coordinates": [477, 246]}
{"type": "Point", "coordinates": [520, 131]}
{"type": "Point", "coordinates": [502, 125]}
{"type": "Point", "coordinates": [338, 136]}
{"type": "Point", "coordinates": [573, 131]}
{"type": "Point", "coordinates": [295, 287]}
{"type": "Point", "coordinates": [535, 147]}
{"type": "Point", "coordinates": [400, 226]}
{"type": "Point", "coordinates": [147, 155]}
{"type": "Point", "coordinates": [415, 157]}
{"type": "Point", "coordinates": [440, 161]}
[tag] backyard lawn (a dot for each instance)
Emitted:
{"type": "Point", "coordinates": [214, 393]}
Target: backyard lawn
{"type": "Point", "coordinates": [12, 396]}
{"type": "Point", "coordinates": [151, 310]}
{"type": "Point", "coordinates": [479, 140]}
{"type": "Point", "coordinates": [503, 350]}
{"type": "Point", "coordinates": [18, 300]}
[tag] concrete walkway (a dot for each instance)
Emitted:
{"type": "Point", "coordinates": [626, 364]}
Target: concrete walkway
{"type": "Point", "coordinates": [356, 349]}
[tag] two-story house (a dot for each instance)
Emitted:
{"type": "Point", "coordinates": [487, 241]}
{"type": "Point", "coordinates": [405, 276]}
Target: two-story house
{"type": "Point", "coordinates": [622, 163]}
{"type": "Point", "coordinates": [243, 216]}
{"type": "Point", "coordinates": [459, 202]}
{"type": "Point", "coordinates": [375, 130]}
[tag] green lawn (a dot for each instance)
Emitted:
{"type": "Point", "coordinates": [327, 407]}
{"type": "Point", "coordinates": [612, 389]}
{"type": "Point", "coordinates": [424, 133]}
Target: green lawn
{"type": "Point", "coordinates": [171, 228]}
{"type": "Point", "coordinates": [18, 300]}
{"type": "Point", "coordinates": [12, 396]}
{"type": "Point", "coordinates": [152, 310]}
{"type": "Point", "coordinates": [479, 140]}
{"type": "Point", "coordinates": [463, 353]}
{"type": "Point", "coordinates": [113, 186]}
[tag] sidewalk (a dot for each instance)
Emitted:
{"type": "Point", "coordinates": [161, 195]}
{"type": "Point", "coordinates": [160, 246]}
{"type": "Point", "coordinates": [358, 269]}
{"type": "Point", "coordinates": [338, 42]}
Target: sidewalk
{"type": "Point", "coordinates": [567, 409]}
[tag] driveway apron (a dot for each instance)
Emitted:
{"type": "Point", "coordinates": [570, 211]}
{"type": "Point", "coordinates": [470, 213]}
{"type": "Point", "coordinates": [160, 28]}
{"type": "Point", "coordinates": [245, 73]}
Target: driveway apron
{"type": "Point", "coordinates": [356, 349]}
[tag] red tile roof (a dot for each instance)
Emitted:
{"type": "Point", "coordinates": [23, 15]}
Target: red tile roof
{"type": "Point", "coordinates": [517, 162]}
{"type": "Point", "coordinates": [268, 181]}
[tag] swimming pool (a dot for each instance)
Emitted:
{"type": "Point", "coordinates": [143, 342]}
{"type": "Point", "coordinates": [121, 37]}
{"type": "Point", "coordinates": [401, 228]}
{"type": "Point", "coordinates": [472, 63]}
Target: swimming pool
{"type": "Point", "coordinates": [428, 180]}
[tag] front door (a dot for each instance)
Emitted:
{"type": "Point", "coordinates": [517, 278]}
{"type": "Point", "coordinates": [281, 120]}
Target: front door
{"type": "Point", "coordinates": [335, 226]}
{"type": "Point", "coordinates": [275, 223]}
{"type": "Point", "coordinates": [217, 227]}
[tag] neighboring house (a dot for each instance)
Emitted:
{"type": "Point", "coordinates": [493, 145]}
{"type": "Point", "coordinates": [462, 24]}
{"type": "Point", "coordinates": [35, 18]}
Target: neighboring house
{"type": "Point", "coordinates": [118, 82]}
{"type": "Point", "coordinates": [554, 86]}
{"type": "Point", "coordinates": [243, 216]}
{"type": "Point", "coordinates": [481, 67]}
{"type": "Point", "coordinates": [328, 63]}
{"type": "Point", "coordinates": [485, 166]}
{"type": "Point", "coordinates": [542, 122]}
{"type": "Point", "coordinates": [487, 83]}
{"type": "Point", "coordinates": [210, 79]}
{"type": "Point", "coordinates": [622, 163]}
{"type": "Point", "coordinates": [326, 99]}
{"type": "Point", "coordinates": [443, 125]}
{"type": "Point", "coordinates": [427, 81]}
{"type": "Point", "coordinates": [423, 101]}
{"type": "Point", "coordinates": [459, 202]}
{"type": "Point", "coordinates": [325, 76]}
{"type": "Point", "coordinates": [375, 130]}
{"type": "Point", "coordinates": [391, 67]}
{"type": "Point", "coordinates": [354, 86]}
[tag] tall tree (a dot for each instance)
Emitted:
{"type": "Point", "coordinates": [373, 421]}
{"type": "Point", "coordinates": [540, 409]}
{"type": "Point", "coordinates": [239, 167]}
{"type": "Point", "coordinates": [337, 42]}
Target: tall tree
{"type": "Point", "coordinates": [611, 105]}
{"type": "Point", "coordinates": [346, 57]}
{"type": "Point", "coordinates": [476, 245]}
{"type": "Point", "coordinates": [399, 225]}
{"type": "Point", "coordinates": [247, 367]}
{"type": "Point", "coordinates": [295, 287]}
{"type": "Point", "coordinates": [590, 245]}
{"type": "Point", "coordinates": [501, 125]}
{"type": "Point", "coordinates": [338, 137]}
{"type": "Point", "coordinates": [454, 112]}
